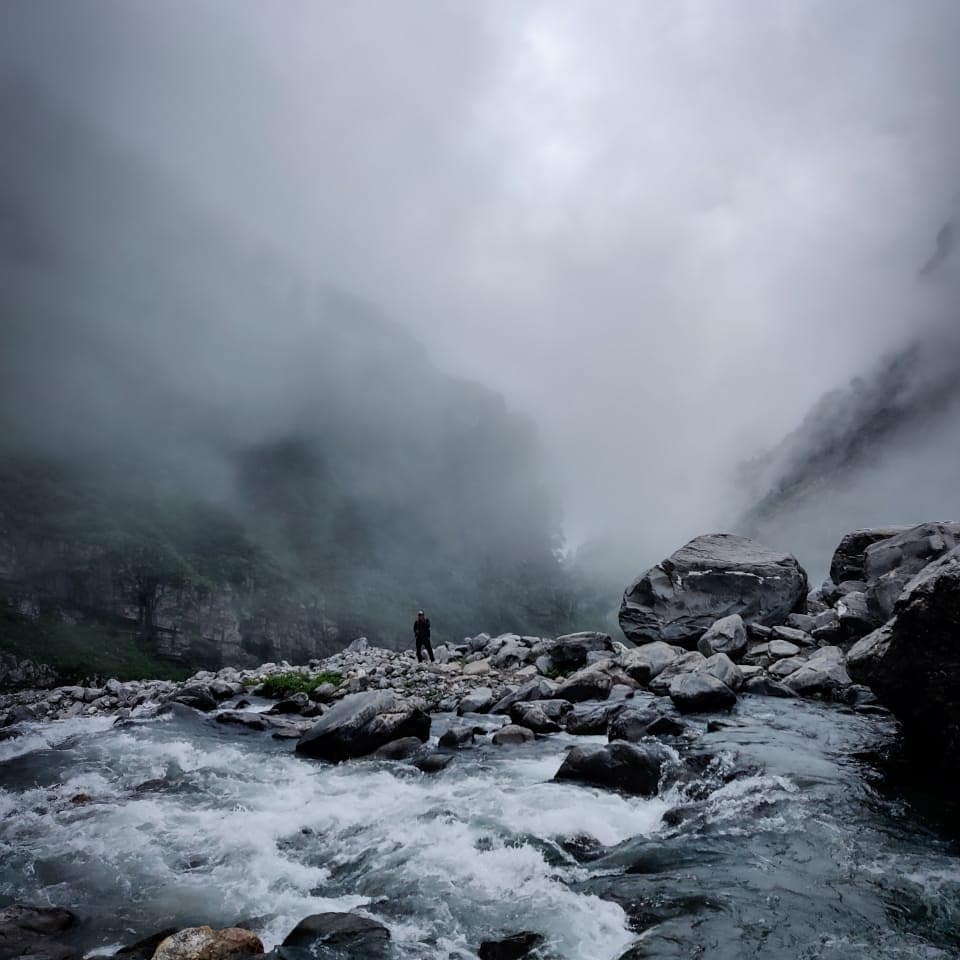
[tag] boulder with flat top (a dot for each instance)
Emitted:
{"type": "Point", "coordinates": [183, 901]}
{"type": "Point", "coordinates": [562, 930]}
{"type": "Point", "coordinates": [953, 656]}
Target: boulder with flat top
{"type": "Point", "coordinates": [712, 577]}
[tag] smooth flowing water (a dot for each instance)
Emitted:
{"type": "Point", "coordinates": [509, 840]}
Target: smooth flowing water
{"type": "Point", "coordinates": [773, 841]}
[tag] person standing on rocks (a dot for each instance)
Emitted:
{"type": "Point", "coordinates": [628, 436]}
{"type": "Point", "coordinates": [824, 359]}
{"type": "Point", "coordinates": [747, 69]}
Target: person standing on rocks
{"type": "Point", "coordinates": [421, 634]}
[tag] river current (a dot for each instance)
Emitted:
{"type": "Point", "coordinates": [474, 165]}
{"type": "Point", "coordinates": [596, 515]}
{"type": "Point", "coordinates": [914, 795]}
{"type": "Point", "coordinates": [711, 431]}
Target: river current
{"type": "Point", "coordinates": [777, 840]}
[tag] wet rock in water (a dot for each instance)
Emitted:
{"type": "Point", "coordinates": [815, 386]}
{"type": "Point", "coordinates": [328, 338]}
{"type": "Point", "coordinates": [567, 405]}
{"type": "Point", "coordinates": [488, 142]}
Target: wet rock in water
{"type": "Point", "coordinates": [727, 635]}
{"type": "Point", "coordinates": [684, 664]}
{"type": "Point", "coordinates": [456, 737]}
{"type": "Point", "coordinates": [724, 669]}
{"type": "Point", "coordinates": [590, 720]}
{"type": "Point", "coordinates": [631, 724]}
{"type": "Point", "coordinates": [767, 687]}
{"type": "Point", "coordinates": [712, 577]}
{"type": "Point", "coordinates": [479, 701]}
{"type": "Point", "coordinates": [510, 948]}
{"type": "Point", "coordinates": [344, 935]}
{"type": "Point", "coordinates": [398, 749]}
{"type": "Point", "coordinates": [360, 723]}
{"type": "Point", "coordinates": [36, 919]}
{"type": "Point", "coordinates": [196, 696]}
{"type": "Point", "coordinates": [590, 683]}
{"type": "Point", "coordinates": [823, 674]}
{"type": "Point", "coordinates": [701, 693]}
{"type": "Point", "coordinates": [632, 768]}
{"type": "Point", "coordinates": [512, 734]}
{"type": "Point", "coordinates": [144, 949]}
{"type": "Point", "coordinates": [433, 762]}
{"type": "Point", "coordinates": [644, 663]}
{"type": "Point", "coordinates": [665, 726]}
{"type": "Point", "coordinates": [532, 717]}
{"type": "Point", "coordinates": [250, 720]}
{"type": "Point", "coordinates": [295, 703]}
{"type": "Point", "coordinates": [205, 943]}
{"type": "Point", "coordinates": [912, 662]}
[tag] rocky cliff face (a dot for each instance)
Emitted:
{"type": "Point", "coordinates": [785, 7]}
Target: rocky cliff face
{"type": "Point", "coordinates": [193, 623]}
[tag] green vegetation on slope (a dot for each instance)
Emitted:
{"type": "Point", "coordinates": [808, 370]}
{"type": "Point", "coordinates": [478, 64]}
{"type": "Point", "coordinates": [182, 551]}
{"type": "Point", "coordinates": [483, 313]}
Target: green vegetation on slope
{"type": "Point", "coordinates": [83, 651]}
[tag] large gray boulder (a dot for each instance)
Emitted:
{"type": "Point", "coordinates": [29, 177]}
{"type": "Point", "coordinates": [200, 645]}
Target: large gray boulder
{"type": "Point", "coordinates": [890, 564]}
{"type": "Point", "coordinates": [848, 558]}
{"type": "Point", "coordinates": [912, 663]}
{"type": "Point", "coordinates": [630, 767]}
{"type": "Point", "coordinates": [361, 723]}
{"type": "Point", "coordinates": [712, 577]}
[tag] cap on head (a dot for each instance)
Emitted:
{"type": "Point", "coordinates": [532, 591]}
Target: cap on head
{"type": "Point", "coordinates": [419, 613]}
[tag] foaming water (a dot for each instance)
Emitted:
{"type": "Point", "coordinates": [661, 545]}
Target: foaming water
{"type": "Point", "coordinates": [179, 820]}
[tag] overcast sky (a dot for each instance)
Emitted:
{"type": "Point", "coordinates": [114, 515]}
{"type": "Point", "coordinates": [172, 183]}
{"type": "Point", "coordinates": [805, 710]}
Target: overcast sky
{"type": "Point", "coordinates": [660, 229]}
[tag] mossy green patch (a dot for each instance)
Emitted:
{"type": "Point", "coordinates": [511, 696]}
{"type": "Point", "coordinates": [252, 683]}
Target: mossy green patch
{"type": "Point", "coordinates": [102, 648]}
{"type": "Point", "coordinates": [285, 684]}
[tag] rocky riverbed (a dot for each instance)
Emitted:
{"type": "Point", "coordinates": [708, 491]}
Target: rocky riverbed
{"type": "Point", "coordinates": [715, 786]}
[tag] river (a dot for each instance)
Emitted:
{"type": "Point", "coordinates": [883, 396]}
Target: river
{"type": "Point", "coordinates": [777, 839]}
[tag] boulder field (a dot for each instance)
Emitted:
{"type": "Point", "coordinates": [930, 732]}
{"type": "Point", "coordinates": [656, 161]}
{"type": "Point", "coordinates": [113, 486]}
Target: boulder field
{"type": "Point", "coordinates": [722, 617]}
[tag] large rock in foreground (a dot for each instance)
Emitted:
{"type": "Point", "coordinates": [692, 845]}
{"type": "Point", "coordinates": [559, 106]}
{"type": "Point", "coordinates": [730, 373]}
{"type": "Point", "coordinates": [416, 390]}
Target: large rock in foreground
{"type": "Point", "coordinates": [339, 935]}
{"type": "Point", "coordinates": [360, 723]}
{"type": "Point", "coordinates": [205, 943]}
{"type": "Point", "coordinates": [912, 663]}
{"type": "Point", "coordinates": [632, 768]}
{"type": "Point", "coordinates": [713, 576]}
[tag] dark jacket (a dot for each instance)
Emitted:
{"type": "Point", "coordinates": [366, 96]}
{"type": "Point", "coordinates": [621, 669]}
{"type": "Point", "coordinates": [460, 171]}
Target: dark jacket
{"type": "Point", "coordinates": [421, 630]}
